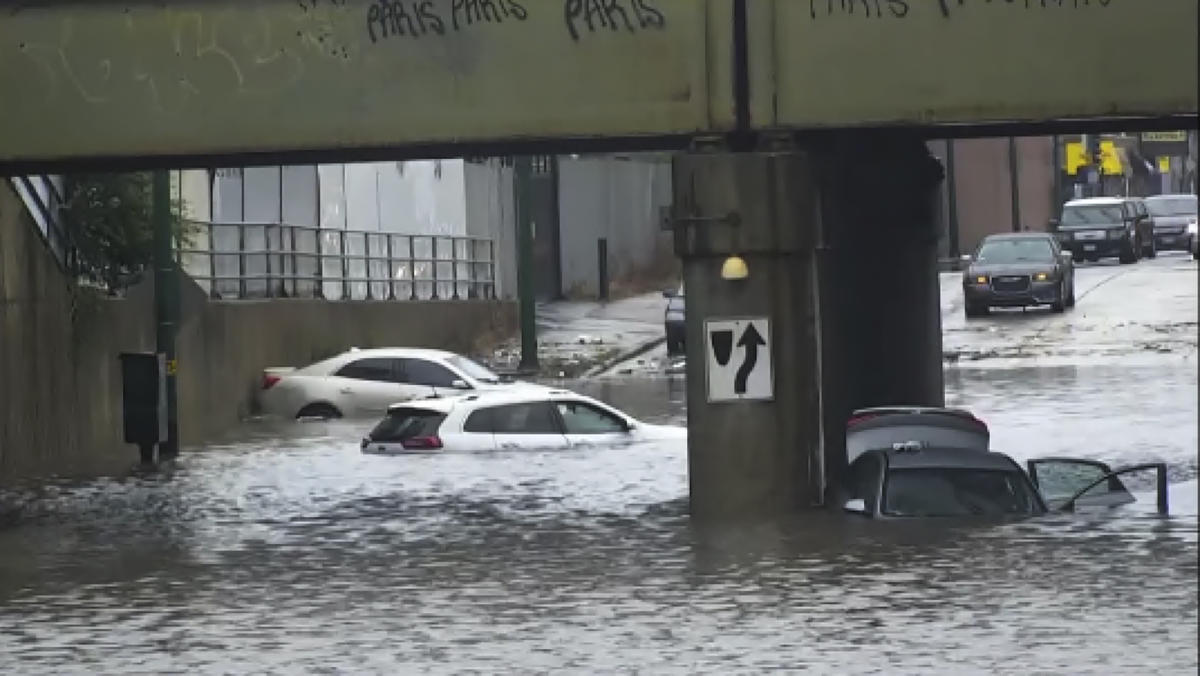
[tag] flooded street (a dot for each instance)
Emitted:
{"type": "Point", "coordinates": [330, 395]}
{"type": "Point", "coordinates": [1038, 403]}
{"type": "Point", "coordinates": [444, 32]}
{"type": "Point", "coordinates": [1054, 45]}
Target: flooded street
{"type": "Point", "coordinates": [285, 550]}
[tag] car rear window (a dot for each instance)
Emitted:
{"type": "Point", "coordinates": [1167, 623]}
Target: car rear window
{"type": "Point", "coordinates": [407, 423]}
{"type": "Point", "coordinates": [937, 492]}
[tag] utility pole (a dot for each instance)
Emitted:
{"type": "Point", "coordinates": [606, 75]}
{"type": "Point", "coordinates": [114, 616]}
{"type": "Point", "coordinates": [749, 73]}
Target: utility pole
{"type": "Point", "coordinates": [952, 201]}
{"type": "Point", "coordinates": [1012, 178]}
{"type": "Point", "coordinates": [523, 184]}
{"type": "Point", "coordinates": [166, 301]}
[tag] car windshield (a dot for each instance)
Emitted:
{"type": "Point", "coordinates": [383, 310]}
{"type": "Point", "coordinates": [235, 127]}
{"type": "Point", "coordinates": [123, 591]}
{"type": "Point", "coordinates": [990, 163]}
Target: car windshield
{"type": "Point", "coordinates": [1016, 251]}
{"type": "Point", "coordinates": [473, 369]}
{"type": "Point", "coordinates": [939, 492]}
{"type": "Point", "coordinates": [1107, 214]}
{"type": "Point", "coordinates": [1172, 206]}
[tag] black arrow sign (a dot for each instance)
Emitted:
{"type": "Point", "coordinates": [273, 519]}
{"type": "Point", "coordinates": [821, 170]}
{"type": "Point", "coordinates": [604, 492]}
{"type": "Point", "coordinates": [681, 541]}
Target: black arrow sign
{"type": "Point", "coordinates": [749, 340]}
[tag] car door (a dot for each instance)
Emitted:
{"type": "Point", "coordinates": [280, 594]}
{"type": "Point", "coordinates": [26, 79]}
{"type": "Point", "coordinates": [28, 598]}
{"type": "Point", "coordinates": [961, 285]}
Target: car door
{"type": "Point", "coordinates": [860, 488]}
{"type": "Point", "coordinates": [1061, 479]}
{"type": "Point", "coordinates": [586, 424]}
{"type": "Point", "coordinates": [527, 426]}
{"type": "Point", "coordinates": [369, 386]}
{"type": "Point", "coordinates": [430, 378]}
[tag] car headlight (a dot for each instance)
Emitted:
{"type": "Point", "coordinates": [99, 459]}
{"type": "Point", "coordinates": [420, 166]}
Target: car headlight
{"type": "Point", "coordinates": [1192, 228]}
{"type": "Point", "coordinates": [980, 279]}
{"type": "Point", "coordinates": [1041, 277]}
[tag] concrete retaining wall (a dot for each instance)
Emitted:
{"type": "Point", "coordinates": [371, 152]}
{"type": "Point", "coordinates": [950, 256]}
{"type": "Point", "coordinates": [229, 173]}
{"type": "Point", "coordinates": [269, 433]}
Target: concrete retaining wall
{"type": "Point", "coordinates": [616, 198]}
{"type": "Point", "coordinates": [60, 384]}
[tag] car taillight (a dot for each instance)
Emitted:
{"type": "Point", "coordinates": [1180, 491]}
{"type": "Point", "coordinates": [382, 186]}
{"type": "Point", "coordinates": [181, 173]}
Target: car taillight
{"type": "Point", "coordinates": [859, 419]}
{"type": "Point", "coordinates": [269, 380]}
{"type": "Point", "coordinates": [431, 442]}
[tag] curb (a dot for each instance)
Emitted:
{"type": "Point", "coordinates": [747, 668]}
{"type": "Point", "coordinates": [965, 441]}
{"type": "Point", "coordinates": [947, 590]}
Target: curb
{"type": "Point", "coordinates": [625, 356]}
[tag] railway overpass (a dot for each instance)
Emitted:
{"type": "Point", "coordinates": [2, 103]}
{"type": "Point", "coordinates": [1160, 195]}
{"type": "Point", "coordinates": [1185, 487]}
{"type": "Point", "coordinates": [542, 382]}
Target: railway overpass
{"type": "Point", "coordinates": [799, 126]}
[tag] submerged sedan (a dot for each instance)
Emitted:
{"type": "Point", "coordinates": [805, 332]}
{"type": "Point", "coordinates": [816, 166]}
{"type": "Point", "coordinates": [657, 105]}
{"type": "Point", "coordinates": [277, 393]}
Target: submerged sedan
{"type": "Point", "coordinates": [521, 420]}
{"type": "Point", "coordinates": [1018, 270]}
{"type": "Point", "coordinates": [912, 472]}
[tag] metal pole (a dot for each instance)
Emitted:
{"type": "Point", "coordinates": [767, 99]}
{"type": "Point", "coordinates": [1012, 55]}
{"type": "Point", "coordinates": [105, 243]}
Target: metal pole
{"type": "Point", "coordinates": [1058, 177]}
{"type": "Point", "coordinates": [602, 267]}
{"type": "Point", "coordinates": [522, 175]}
{"type": "Point", "coordinates": [556, 226]}
{"type": "Point", "coordinates": [166, 301]}
{"type": "Point", "coordinates": [1016, 189]}
{"type": "Point", "coordinates": [952, 202]}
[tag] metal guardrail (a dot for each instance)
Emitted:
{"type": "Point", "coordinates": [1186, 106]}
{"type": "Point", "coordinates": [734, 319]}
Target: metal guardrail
{"type": "Point", "coordinates": [45, 203]}
{"type": "Point", "coordinates": [276, 260]}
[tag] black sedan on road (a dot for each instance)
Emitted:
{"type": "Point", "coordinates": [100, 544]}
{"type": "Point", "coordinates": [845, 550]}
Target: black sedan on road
{"type": "Point", "coordinates": [1018, 270]}
{"type": "Point", "coordinates": [1174, 221]}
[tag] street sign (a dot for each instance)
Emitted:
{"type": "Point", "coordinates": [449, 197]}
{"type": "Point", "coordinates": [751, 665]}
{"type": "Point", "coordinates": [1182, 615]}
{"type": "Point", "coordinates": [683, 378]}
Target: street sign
{"type": "Point", "coordinates": [738, 359]}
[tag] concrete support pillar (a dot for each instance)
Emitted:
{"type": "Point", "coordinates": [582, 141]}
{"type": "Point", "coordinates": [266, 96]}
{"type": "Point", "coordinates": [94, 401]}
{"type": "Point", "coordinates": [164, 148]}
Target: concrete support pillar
{"type": "Point", "coordinates": [751, 458]}
{"type": "Point", "coordinates": [881, 334]}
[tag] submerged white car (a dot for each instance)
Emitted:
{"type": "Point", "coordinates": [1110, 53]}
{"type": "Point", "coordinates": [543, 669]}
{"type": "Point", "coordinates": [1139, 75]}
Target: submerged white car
{"type": "Point", "coordinates": [528, 419]}
{"type": "Point", "coordinates": [366, 382]}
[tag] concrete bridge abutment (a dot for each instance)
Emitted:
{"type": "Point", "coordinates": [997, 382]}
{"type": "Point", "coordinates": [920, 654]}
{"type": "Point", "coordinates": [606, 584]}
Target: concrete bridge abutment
{"type": "Point", "coordinates": [840, 241]}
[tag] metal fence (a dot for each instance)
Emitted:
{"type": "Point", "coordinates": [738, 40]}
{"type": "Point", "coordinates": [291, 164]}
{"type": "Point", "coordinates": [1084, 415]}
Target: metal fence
{"type": "Point", "coordinates": [276, 260]}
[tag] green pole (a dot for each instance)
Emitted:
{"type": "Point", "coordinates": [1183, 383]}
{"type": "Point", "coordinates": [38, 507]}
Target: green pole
{"type": "Point", "coordinates": [166, 301]}
{"type": "Point", "coordinates": [1014, 180]}
{"type": "Point", "coordinates": [523, 178]}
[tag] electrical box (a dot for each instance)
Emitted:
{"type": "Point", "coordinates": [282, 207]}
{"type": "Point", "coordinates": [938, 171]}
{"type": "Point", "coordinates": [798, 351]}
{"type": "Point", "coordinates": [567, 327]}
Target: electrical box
{"type": "Point", "coordinates": [144, 397]}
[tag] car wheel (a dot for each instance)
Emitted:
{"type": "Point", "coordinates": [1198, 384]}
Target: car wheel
{"type": "Point", "coordinates": [321, 411]}
{"type": "Point", "coordinates": [1060, 304]}
{"type": "Point", "coordinates": [1129, 257]}
{"type": "Point", "coordinates": [1071, 295]}
{"type": "Point", "coordinates": [972, 310]}
{"type": "Point", "coordinates": [1152, 250]}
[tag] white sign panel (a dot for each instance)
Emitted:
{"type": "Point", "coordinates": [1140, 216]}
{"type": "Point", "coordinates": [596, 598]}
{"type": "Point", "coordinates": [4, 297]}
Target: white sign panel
{"type": "Point", "coordinates": [738, 353]}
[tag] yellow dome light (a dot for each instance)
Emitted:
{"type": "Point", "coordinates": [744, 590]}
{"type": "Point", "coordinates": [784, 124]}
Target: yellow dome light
{"type": "Point", "coordinates": [734, 268]}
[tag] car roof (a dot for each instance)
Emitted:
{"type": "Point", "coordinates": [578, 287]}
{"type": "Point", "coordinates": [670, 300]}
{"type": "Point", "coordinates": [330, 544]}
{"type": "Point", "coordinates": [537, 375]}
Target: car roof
{"type": "Point", "coordinates": [1017, 235]}
{"type": "Point", "coordinates": [484, 398]}
{"type": "Point", "coordinates": [1170, 196]}
{"type": "Point", "coordinates": [1097, 201]}
{"type": "Point", "coordinates": [948, 458]}
{"type": "Point", "coordinates": [396, 353]}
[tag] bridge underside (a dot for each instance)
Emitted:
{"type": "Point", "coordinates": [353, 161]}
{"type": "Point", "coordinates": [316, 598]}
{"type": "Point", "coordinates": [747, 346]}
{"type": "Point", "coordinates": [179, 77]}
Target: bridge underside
{"type": "Point", "coordinates": [137, 83]}
{"type": "Point", "coordinates": [775, 97]}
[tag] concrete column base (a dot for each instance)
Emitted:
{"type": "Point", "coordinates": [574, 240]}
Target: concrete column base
{"type": "Point", "coordinates": [841, 244]}
{"type": "Point", "coordinates": [750, 458]}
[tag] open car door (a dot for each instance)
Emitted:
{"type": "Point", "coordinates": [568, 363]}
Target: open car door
{"type": "Point", "coordinates": [1068, 483]}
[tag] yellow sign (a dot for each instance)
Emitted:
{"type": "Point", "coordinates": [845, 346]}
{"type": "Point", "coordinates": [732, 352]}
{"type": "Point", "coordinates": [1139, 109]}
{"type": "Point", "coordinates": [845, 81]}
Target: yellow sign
{"type": "Point", "coordinates": [1165, 136]}
{"type": "Point", "coordinates": [1077, 158]}
{"type": "Point", "coordinates": [1164, 165]}
{"type": "Point", "coordinates": [172, 367]}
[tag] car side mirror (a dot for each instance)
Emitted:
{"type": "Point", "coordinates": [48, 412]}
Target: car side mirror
{"type": "Point", "coordinates": [460, 385]}
{"type": "Point", "coordinates": [855, 506]}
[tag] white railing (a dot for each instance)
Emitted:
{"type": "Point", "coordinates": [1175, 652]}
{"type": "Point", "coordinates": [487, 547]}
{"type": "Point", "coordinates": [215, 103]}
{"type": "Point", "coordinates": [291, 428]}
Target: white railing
{"type": "Point", "coordinates": [43, 198]}
{"type": "Point", "coordinates": [278, 260]}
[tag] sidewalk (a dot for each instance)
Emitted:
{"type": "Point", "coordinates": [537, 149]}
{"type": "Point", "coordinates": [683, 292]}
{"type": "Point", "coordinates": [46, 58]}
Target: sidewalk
{"type": "Point", "coordinates": [579, 337]}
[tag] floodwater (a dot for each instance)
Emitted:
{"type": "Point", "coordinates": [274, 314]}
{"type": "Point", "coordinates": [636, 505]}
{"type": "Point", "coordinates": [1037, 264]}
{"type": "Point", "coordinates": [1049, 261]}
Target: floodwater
{"type": "Point", "coordinates": [286, 551]}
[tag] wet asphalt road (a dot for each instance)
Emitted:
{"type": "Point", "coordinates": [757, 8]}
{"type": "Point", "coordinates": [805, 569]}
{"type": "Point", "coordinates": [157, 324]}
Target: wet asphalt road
{"type": "Point", "coordinates": [284, 550]}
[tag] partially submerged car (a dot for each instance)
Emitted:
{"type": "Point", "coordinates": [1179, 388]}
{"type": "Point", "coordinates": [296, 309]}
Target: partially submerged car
{"type": "Point", "coordinates": [674, 322]}
{"type": "Point", "coordinates": [367, 382]}
{"type": "Point", "coordinates": [522, 420]}
{"type": "Point", "coordinates": [905, 466]}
